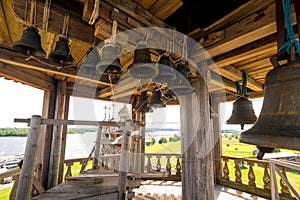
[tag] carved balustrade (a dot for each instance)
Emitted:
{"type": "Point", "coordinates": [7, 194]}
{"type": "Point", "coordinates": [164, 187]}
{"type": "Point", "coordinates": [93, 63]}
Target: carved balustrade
{"type": "Point", "coordinates": [254, 177]}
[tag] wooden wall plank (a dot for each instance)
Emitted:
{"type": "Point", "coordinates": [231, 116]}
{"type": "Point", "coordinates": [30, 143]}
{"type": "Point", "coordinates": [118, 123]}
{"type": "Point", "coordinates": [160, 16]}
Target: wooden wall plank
{"type": "Point", "coordinates": [164, 8]}
{"type": "Point", "coordinates": [146, 4]}
{"type": "Point", "coordinates": [249, 8]}
{"type": "Point", "coordinates": [78, 29]}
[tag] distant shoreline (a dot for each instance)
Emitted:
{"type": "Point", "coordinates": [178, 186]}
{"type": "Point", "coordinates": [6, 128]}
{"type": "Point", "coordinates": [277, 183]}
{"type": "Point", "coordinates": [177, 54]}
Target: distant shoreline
{"type": "Point", "coordinates": [23, 132]}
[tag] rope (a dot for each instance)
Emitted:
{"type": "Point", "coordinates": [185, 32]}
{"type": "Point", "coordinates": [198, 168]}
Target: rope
{"type": "Point", "coordinates": [46, 14]}
{"type": "Point", "coordinates": [184, 48]}
{"type": "Point", "coordinates": [65, 25]}
{"type": "Point", "coordinates": [95, 13]}
{"type": "Point", "coordinates": [32, 18]}
{"type": "Point", "coordinates": [243, 91]}
{"type": "Point", "coordinates": [244, 88]}
{"type": "Point", "coordinates": [290, 38]}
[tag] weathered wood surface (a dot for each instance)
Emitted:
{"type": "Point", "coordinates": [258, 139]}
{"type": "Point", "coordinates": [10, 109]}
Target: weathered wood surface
{"type": "Point", "coordinates": [56, 145]}
{"type": "Point", "coordinates": [73, 122]}
{"type": "Point", "coordinates": [197, 142]}
{"type": "Point", "coordinates": [82, 188]}
{"type": "Point", "coordinates": [44, 157]}
{"type": "Point", "coordinates": [78, 29]}
{"type": "Point", "coordinates": [24, 190]}
{"type": "Point", "coordinates": [98, 146]}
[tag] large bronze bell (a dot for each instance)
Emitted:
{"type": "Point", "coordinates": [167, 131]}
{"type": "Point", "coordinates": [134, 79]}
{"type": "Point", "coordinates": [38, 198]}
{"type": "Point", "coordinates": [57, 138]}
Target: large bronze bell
{"type": "Point", "coordinates": [242, 112]}
{"type": "Point", "coordinates": [166, 73]}
{"type": "Point", "coordinates": [109, 63]}
{"type": "Point", "coordinates": [30, 43]}
{"type": "Point", "coordinates": [62, 54]}
{"type": "Point", "coordinates": [278, 125]}
{"type": "Point", "coordinates": [155, 100]}
{"type": "Point", "coordinates": [142, 66]}
{"type": "Point", "coordinates": [181, 85]}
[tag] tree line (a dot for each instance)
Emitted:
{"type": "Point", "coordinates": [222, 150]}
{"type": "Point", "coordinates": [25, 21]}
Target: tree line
{"type": "Point", "coordinates": [23, 132]}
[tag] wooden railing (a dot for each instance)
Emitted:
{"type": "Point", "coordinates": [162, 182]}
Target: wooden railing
{"type": "Point", "coordinates": [169, 163]}
{"type": "Point", "coordinates": [275, 166]}
{"type": "Point", "coordinates": [168, 159]}
{"type": "Point", "coordinates": [252, 176]}
{"type": "Point", "coordinates": [70, 162]}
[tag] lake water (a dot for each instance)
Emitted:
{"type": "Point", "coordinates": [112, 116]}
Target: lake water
{"type": "Point", "coordinates": [78, 145]}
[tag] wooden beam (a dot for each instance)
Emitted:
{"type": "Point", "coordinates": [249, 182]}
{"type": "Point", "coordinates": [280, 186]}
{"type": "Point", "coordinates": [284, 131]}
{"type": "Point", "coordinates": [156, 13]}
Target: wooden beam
{"type": "Point", "coordinates": [235, 75]}
{"type": "Point", "coordinates": [267, 45]}
{"type": "Point", "coordinates": [13, 58]}
{"type": "Point", "coordinates": [246, 31]}
{"type": "Point", "coordinates": [27, 76]}
{"type": "Point", "coordinates": [78, 29]}
{"type": "Point", "coordinates": [222, 83]}
{"type": "Point", "coordinates": [164, 8]}
{"type": "Point", "coordinates": [131, 9]}
{"type": "Point", "coordinates": [226, 97]}
{"type": "Point", "coordinates": [249, 8]}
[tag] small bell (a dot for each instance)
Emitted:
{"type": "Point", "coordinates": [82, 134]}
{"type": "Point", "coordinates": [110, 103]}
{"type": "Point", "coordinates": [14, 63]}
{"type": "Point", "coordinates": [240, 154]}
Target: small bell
{"type": "Point", "coordinates": [61, 54]}
{"type": "Point", "coordinates": [30, 43]}
{"type": "Point", "coordinates": [109, 63]}
{"type": "Point", "coordinates": [92, 59]}
{"type": "Point", "coordinates": [155, 101]}
{"type": "Point", "coordinates": [181, 85]}
{"type": "Point", "coordinates": [142, 103]}
{"type": "Point", "coordinates": [142, 66]}
{"type": "Point", "coordinates": [166, 73]}
{"type": "Point", "coordinates": [242, 112]}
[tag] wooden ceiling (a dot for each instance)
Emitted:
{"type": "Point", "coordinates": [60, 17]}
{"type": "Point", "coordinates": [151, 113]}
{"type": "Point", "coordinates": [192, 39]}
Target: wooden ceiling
{"type": "Point", "coordinates": [240, 41]}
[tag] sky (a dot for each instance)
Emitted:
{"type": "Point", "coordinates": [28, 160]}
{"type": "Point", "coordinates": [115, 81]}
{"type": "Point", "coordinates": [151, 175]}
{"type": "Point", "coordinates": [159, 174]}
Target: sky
{"type": "Point", "coordinates": [22, 101]}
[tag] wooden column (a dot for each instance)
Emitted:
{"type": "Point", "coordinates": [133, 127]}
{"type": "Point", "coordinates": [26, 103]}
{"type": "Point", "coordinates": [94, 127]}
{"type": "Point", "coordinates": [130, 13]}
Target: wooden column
{"type": "Point", "coordinates": [24, 191]}
{"type": "Point", "coordinates": [142, 141]}
{"type": "Point", "coordinates": [122, 182]}
{"type": "Point", "coordinates": [196, 143]}
{"type": "Point", "coordinates": [218, 146]}
{"type": "Point", "coordinates": [97, 148]}
{"type": "Point", "coordinates": [56, 145]}
{"type": "Point", "coordinates": [64, 140]}
{"type": "Point", "coordinates": [46, 131]}
{"type": "Point", "coordinates": [138, 148]}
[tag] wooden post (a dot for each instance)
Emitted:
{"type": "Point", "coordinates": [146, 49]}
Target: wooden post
{"type": "Point", "coordinates": [64, 141]}
{"type": "Point", "coordinates": [46, 131]}
{"type": "Point", "coordinates": [274, 187]}
{"type": "Point", "coordinates": [56, 145]}
{"type": "Point", "coordinates": [218, 146]}
{"type": "Point", "coordinates": [197, 145]}
{"type": "Point", "coordinates": [97, 148]}
{"type": "Point", "coordinates": [24, 190]}
{"type": "Point", "coordinates": [123, 163]}
{"type": "Point", "coordinates": [142, 142]}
